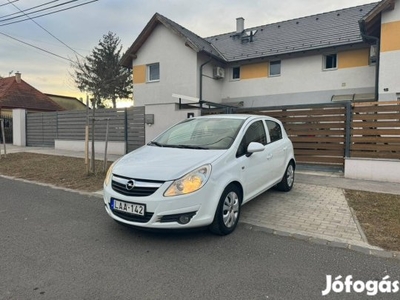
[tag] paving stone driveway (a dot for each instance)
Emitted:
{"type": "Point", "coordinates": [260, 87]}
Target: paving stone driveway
{"type": "Point", "coordinates": [311, 210]}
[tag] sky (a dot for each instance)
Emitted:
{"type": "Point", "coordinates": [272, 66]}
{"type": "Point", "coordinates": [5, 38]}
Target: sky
{"type": "Point", "coordinates": [81, 28]}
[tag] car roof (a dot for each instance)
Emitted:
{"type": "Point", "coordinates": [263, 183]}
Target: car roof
{"type": "Point", "coordinates": [236, 116]}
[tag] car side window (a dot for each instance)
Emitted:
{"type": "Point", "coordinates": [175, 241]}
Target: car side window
{"type": "Point", "coordinates": [255, 133]}
{"type": "Point", "coordinates": [275, 131]}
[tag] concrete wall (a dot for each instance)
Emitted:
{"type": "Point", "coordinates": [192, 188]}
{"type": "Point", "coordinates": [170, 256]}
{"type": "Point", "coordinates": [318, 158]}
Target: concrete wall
{"type": "Point", "coordinates": [165, 115]}
{"type": "Point", "coordinates": [384, 170]}
{"type": "Point", "coordinates": [99, 147]}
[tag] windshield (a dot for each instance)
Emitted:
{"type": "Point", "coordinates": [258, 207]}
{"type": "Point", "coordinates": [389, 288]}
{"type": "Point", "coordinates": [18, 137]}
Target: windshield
{"type": "Point", "coordinates": [200, 133]}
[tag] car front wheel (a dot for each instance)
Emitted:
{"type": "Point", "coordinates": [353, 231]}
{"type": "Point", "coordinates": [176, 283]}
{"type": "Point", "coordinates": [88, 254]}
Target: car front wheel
{"type": "Point", "coordinates": [228, 211]}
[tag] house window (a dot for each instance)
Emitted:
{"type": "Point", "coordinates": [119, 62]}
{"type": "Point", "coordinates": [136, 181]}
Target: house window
{"type": "Point", "coordinates": [236, 73]}
{"type": "Point", "coordinates": [275, 68]}
{"type": "Point", "coordinates": [153, 72]}
{"type": "Point", "coordinates": [330, 62]}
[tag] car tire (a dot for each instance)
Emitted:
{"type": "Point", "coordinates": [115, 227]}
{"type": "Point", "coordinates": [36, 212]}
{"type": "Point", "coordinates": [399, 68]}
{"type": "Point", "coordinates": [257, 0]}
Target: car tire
{"type": "Point", "coordinates": [287, 181]}
{"type": "Point", "coordinates": [228, 211]}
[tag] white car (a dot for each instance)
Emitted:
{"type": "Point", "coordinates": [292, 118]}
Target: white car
{"type": "Point", "coordinates": [199, 172]}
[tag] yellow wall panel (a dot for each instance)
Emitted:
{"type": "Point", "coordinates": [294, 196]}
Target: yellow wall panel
{"type": "Point", "coordinates": [353, 58]}
{"type": "Point", "coordinates": [254, 71]}
{"type": "Point", "coordinates": [390, 36]}
{"type": "Point", "coordinates": [139, 74]}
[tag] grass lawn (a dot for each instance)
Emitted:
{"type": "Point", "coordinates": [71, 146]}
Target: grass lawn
{"type": "Point", "coordinates": [60, 171]}
{"type": "Point", "coordinates": [379, 216]}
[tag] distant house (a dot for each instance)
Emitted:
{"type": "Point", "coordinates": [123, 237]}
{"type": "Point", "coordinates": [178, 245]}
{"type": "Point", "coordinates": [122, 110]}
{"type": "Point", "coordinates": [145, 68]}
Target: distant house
{"type": "Point", "coordinates": [16, 93]}
{"type": "Point", "coordinates": [68, 103]}
{"type": "Point", "coordinates": [348, 54]}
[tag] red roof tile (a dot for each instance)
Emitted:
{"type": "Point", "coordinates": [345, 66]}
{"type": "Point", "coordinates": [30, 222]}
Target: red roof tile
{"type": "Point", "coordinates": [23, 95]}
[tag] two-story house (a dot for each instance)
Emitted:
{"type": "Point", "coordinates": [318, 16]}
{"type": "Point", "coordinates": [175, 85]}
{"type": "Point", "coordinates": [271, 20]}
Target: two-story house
{"type": "Point", "coordinates": [348, 54]}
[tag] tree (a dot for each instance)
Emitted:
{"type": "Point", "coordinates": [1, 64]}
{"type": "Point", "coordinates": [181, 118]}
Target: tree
{"type": "Point", "coordinates": [100, 73]}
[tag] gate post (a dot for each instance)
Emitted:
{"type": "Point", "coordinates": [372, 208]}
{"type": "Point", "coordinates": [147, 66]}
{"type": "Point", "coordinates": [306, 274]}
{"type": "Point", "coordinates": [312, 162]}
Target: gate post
{"type": "Point", "coordinates": [348, 129]}
{"type": "Point", "coordinates": [19, 127]}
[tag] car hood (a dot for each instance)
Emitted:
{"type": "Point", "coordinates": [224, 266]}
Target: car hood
{"type": "Point", "coordinates": [164, 164]}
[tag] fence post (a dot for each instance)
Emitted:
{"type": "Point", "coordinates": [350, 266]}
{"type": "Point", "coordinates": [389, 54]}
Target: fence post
{"type": "Point", "coordinates": [348, 129]}
{"type": "Point", "coordinates": [126, 130]}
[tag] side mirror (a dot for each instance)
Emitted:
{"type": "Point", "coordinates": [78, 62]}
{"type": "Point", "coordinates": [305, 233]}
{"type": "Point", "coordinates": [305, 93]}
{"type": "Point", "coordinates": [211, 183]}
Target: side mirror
{"type": "Point", "coordinates": [254, 147]}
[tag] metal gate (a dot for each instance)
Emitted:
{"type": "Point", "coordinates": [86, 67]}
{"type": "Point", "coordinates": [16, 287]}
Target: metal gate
{"type": "Point", "coordinates": [8, 129]}
{"type": "Point", "coordinates": [41, 129]}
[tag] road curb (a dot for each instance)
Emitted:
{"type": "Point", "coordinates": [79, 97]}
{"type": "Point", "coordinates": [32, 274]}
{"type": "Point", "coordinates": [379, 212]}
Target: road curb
{"type": "Point", "coordinates": [369, 250]}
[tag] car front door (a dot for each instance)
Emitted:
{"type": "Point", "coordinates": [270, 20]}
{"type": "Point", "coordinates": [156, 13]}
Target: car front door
{"type": "Point", "coordinates": [254, 167]}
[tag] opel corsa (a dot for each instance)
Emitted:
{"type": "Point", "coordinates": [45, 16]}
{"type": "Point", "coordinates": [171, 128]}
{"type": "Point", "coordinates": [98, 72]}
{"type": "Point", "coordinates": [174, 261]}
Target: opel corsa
{"type": "Point", "coordinates": [199, 172]}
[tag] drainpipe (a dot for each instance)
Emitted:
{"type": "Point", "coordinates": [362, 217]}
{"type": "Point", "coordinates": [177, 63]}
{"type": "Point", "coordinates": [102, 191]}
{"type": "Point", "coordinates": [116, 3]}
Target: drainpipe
{"type": "Point", "coordinates": [366, 37]}
{"type": "Point", "coordinates": [201, 82]}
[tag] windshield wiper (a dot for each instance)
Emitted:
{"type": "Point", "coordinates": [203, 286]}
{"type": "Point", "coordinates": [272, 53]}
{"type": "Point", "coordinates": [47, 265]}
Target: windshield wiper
{"type": "Point", "coordinates": [152, 143]}
{"type": "Point", "coordinates": [189, 147]}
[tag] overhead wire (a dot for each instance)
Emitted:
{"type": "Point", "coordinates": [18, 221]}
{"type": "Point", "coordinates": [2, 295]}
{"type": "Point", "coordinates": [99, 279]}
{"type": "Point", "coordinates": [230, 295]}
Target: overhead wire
{"type": "Point", "coordinates": [46, 14]}
{"type": "Point", "coordinates": [46, 30]}
{"type": "Point", "coordinates": [36, 47]}
{"type": "Point", "coordinates": [33, 7]}
{"type": "Point", "coordinates": [4, 4]}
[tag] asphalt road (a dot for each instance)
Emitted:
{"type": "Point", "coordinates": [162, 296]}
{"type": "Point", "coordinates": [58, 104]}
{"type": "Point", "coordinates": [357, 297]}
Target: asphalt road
{"type": "Point", "coordinates": [62, 245]}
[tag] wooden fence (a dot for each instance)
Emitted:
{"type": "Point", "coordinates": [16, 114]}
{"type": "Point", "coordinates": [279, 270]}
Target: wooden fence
{"type": "Point", "coordinates": [375, 130]}
{"type": "Point", "coordinates": [327, 133]}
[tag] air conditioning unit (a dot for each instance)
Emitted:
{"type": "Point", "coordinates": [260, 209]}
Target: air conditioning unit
{"type": "Point", "coordinates": [219, 73]}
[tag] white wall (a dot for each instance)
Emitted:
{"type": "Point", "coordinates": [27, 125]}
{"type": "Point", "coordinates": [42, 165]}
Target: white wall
{"type": "Point", "coordinates": [19, 127]}
{"type": "Point", "coordinates": [372, 169]}
{"type": "Point", "coordinates": [178, 72]}
{"type": "Point", "coordinates": [165, 115]}
{"type": "Point", "coordinates": [389, 75]}
{"type": "Point", "coordinates": [302, 75]}
{"type": "Point", "coordinates": [392, 15]}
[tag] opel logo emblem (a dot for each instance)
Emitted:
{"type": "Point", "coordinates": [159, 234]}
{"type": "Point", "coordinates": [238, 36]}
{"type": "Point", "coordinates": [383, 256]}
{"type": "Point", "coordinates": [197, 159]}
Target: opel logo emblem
{"type": "Point", "coordinates": [130, 185]}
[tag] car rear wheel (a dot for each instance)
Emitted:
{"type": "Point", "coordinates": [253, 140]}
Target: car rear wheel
{"type": "Point", "coordinates": [228, 211]}
{"type": "Point", "coordinates": [287, 181]}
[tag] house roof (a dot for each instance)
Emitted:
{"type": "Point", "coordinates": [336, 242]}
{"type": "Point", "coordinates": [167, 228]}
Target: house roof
{"type": "Point", "coordinates": [15, 94]}
{"type": "Point", "coordinates": [325, 30]}
{"type": "Point", "coordinates": [191, 39]}
{"type": "Point", "coordinates": [68, 103]}
{"type": "Point", "coordinates": [370, 24]}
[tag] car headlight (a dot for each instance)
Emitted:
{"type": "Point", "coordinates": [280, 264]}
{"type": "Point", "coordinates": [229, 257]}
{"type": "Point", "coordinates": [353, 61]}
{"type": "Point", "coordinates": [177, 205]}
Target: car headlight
{"type": "Point", "coordinates": [189, 183]}
{"type": "Point", "coordinates": [109, 173]}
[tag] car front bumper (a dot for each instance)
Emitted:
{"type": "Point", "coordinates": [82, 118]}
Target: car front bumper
{"type": "Point", "coordinates": [165, 212]}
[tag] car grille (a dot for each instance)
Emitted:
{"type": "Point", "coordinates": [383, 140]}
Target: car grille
{"type": "Point", "coordinates": [141, 188]}
{"type": "Point", "coordinates": [133, 218]}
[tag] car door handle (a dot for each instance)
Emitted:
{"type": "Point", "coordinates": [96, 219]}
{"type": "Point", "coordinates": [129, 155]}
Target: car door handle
{"type": "Point", "coordinates": [269, 156]}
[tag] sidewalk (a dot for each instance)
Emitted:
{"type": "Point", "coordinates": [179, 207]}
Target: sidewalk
{"type": "Point", "coordinates": [315, 210]}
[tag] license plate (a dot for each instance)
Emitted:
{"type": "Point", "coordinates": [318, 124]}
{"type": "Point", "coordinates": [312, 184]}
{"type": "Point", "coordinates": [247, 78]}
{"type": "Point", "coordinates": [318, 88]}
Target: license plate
{"type": "Point", "coordinates": [130, 208]}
